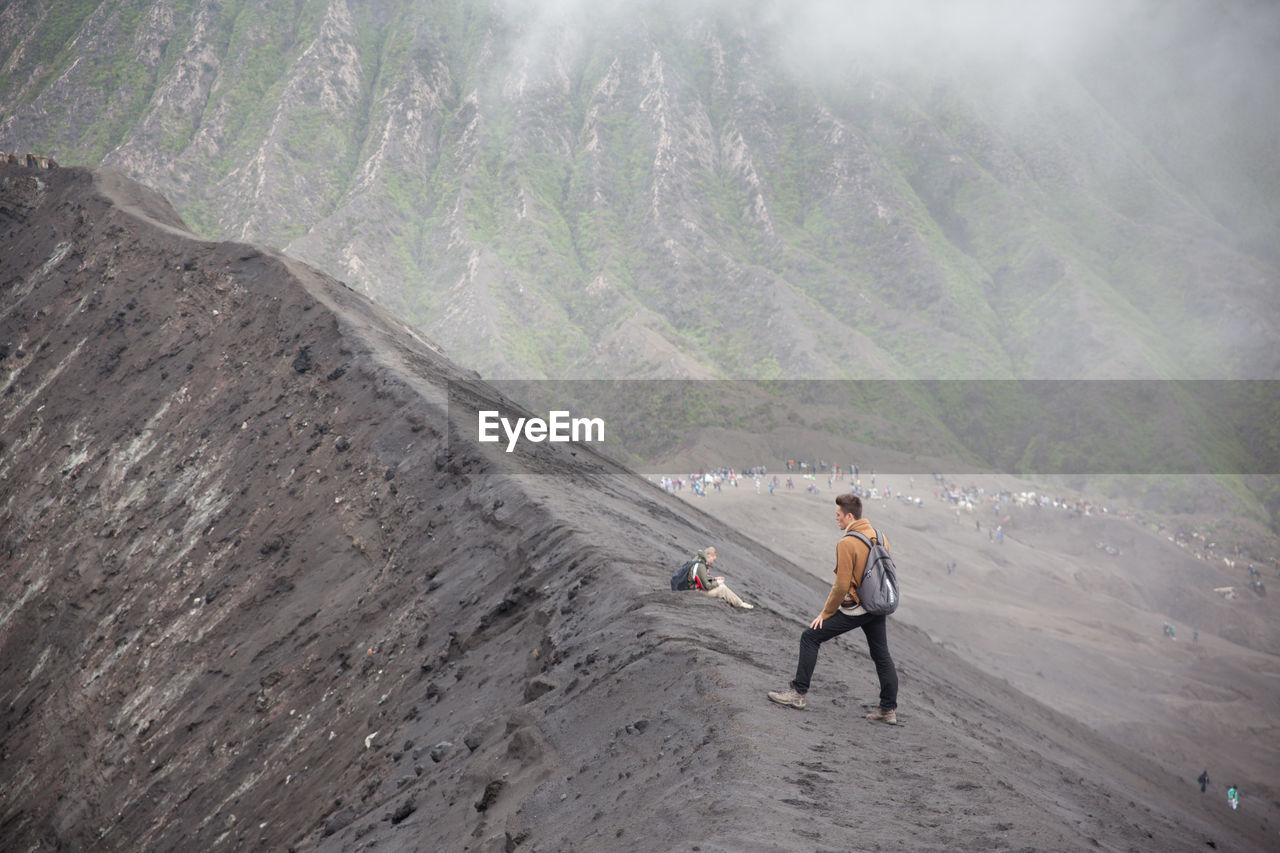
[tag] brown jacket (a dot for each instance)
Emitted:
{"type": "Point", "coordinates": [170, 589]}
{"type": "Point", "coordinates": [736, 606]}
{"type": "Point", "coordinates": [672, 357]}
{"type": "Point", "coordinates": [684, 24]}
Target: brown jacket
{"type": "Point", "coordinates": [851, 562]}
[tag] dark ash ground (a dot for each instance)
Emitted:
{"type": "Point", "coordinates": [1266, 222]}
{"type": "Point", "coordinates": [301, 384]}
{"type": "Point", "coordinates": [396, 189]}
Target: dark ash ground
{"type": "Point", "coordinates": [252, 601]}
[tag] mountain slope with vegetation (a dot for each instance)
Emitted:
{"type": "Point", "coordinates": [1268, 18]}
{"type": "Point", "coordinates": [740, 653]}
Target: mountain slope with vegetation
{"type": "Point", "coordinates": [710, 189]}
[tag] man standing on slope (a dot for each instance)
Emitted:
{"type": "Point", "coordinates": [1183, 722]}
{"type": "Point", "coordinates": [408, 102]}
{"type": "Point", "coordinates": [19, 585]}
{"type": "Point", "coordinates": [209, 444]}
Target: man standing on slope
{"type": "Point", "coordinates": [842, 613]}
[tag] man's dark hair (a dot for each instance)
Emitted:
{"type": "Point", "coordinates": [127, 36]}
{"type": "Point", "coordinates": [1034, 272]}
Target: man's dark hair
{"type": "Point", "coordinates": [850, 504]}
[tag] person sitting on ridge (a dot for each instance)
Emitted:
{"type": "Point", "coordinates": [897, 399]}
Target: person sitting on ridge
{"type": "Point", "coordinates": [700, 578]}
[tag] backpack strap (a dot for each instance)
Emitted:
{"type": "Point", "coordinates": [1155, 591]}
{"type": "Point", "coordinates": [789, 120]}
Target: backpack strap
{"type": "Point", "coordinates": [863, 539]}
{"type": "Point", "coordinates": [875, 535]}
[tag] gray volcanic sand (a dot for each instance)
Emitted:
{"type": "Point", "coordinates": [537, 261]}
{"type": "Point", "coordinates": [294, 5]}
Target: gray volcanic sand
{"type": "Point", "coordinates": [1064, 621]}
{"type": "Point", "coordinates": [254, 598]}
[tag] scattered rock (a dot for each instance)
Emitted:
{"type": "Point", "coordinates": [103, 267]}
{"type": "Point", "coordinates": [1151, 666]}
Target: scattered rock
{"type": "Point", "coordinates": [406, 808]}
{"type": "Point", "coordinates": [525, 746]}
{"type": "Point", "coordinates": [339, 820]}
{"type": "Point", "coordinates": [538, 686]}
{"type": "Point", "coordinates": [440, 750]}
{"type": "Point", "coordinates": [491, 792]}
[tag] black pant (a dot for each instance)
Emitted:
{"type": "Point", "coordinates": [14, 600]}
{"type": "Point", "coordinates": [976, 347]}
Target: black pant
{"type": "Point", "coordinates": [877, 644]}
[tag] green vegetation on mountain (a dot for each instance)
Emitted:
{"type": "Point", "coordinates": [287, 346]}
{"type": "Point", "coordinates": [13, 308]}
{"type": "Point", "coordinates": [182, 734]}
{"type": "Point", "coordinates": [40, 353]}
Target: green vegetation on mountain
{"type": "Point", "coordinates": [710, 190]}
{"type": "Point", "coordinates": [612, 176]}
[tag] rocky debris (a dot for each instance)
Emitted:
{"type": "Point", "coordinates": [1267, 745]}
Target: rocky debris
{"type": "Point", "coordinates": [538, 686]}
{"type": "Point", "coordinates": [491, 792]}
{"type": "Point", "coordinates": [525, 746]}
{"type": "Point", "coordinates": [403, 811]}
{"type": "Point", "coordinates": [339, 820]}
{"type": "Point", "coordinates": [303, 362]}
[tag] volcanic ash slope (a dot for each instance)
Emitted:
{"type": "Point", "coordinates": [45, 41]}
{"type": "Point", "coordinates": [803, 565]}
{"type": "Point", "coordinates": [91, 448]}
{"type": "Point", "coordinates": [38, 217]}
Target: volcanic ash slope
{"type": "Point", "coordinates": [252, 598]}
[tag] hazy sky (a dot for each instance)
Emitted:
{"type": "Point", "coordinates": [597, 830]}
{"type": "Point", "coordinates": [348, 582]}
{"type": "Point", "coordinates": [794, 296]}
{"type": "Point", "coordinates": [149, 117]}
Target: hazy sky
{"type": "Point", "coordinates": [1232, 40]}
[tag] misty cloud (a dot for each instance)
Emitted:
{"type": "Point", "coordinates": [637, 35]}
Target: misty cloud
{"type": "Point", "coordinates": [823, 35]}
{"type": "Point", "coordinates": [1192, 82]}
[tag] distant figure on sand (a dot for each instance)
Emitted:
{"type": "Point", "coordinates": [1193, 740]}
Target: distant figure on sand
{"type": "Point", "coordinates": [843, 612]}
{"type": "Point", "coordinates": [1233, 797]}
{"type": "Point", "coordinates": [700, 578]}
{"type": "Point", "coordinates": [1203, 779]}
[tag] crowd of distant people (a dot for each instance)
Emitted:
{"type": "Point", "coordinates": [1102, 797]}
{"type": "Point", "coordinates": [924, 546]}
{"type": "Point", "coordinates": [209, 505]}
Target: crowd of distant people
{"type": "Point", "coordinates": [975, 500]}
{"type": "Point", "coordinates": [845, 479]}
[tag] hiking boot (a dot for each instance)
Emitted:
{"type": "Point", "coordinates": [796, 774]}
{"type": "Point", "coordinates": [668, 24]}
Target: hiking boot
{"type": "Point", "coordinates": [884, 715]}
{"type": "Point", "coordinates": [788, 697]}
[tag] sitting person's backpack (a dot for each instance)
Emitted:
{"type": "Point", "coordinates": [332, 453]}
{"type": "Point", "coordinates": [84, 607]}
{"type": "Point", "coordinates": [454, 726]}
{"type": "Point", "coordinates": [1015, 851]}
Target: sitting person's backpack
{"type": "Point", "coordinates": [683, 578]}
{"type": "Point", "coordinates": [878, 592]}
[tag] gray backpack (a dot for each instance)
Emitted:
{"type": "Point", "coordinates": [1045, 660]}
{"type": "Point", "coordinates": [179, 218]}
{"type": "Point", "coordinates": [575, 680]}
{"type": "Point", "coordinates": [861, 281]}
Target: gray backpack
{"type": "Point", "coordinates": [878, 592]}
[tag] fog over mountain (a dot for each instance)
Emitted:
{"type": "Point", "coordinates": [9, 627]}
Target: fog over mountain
{"type": "Point", "coordinates": [256, 593]}
{"type": "Point", "coordinates": [713, 189]}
